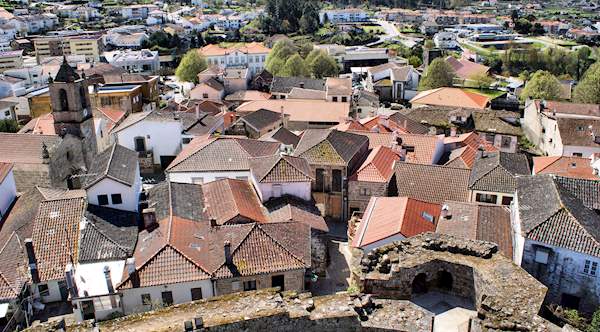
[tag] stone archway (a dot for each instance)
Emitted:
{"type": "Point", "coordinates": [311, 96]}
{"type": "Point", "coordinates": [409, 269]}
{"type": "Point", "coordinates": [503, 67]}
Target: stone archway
{"type": "Point", "coordinates": [445, 280]}
{"type": "Point", "coordinates": [419, 284]}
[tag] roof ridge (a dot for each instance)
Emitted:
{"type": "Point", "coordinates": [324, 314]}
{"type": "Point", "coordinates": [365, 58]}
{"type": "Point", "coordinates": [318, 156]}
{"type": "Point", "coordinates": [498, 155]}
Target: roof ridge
{"type": "Point", "coordinates": [257, 225]}
{"type": "Point", "coordinates": [294, 157]}
{"type": "Point", "coordinates": [277, 160]}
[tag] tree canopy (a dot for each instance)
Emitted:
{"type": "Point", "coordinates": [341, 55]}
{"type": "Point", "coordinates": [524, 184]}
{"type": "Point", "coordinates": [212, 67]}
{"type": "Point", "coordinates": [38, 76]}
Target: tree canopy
{"type": "Point", "coordinates": [438, 74]}
{"type": "Point", "coordinates": [286, 59]}
{"type": "Point", "coordinates": [295, 66]}
{"type": "Point", "coordinates": [8, 126]}
{"type": "Point", "coordinates": [323, 66]}
{"type": "Point", "coordinates": [542, 85]}
{"type": "Point", "coordinates": [190, 66]}
{"type": "Point", "coordinates": [285, 16]}
{"type": "Point", "coordinates": [588, 89]}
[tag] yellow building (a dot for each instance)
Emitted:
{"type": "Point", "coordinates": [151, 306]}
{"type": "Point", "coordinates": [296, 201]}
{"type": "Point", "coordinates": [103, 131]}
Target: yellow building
{"type": "Point", "coordinates": [91, 46]}
{"type": "Point", "coordinates": [11, 60]}
{"type": "Point", "coordinates": [127, 98]}
{"type": "Point", "coordinates": [39, 102]}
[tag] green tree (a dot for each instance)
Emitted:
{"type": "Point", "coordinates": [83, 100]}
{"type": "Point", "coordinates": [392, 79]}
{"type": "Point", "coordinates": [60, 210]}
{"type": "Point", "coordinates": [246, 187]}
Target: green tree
{"type": "Point", "coordinates": [542, 85]}
{"type": "Point", "coordinates": [295, 66]}
{"type": "Point", "coordinates": [429, 44]}
{"type": "Point", "coordinates": [415, 61]}
{"type": "Point", "coordinates": [8, 126]}
{"type": "Point", "coordinates": [595, 323]}
{"type": "Point", "coordinates": [190, 66]}
{"type": "Point", "coordinates": [313, 55]}
{"type": "Point", "coordinates": [282, 50]}
{"type": "Point", "coordinates": [324, 66]}
{"type": "Point", "coordinates": [482, 80]}
{"type": "Point", "coordinates": [309, 22]}
{"type": "Point", "coordinates": [438, 74]}
{"type": "Point", "coordinates": [588, 89]}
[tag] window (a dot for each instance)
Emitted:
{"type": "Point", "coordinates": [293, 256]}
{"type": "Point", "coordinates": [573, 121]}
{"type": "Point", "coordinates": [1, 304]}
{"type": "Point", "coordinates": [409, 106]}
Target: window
{"type": "Point", "coordinates": [205, 95]}
{"type": "Point", "coordinates": [197, 180]}
{"type": "Point", "coordinates": [146, 299]}
{"type": "Point", "coordinates": [102, 199]}
{"type": "Point", "coordinates": [43, 289]}
{"type": "Point", "coordinates": [541, 255]}
{"type": "Point", "coordinates": [590, 268]}
{"type": "Point", "coordinates": [140, 144]}
{"type": "Point", "coordinates": [186, 140]}
{"type": "Point", "coordinates": [365, 192]}
{"type": "Point", "coordinates": [249, 285]}
{"type": "Point", "coordinates": [334, 99]}
{"type": "Point", "coordinates": [245, 178]}
{"type": "Point", "coordinates": [167, 298]}
{"type": "Point", "coordinates": [506, 200]}
{"type": "Point", "coordinates": [577, 154]}
{"type": "Point", "coordinates": [427, 216]}
{"type": "Point", "coordinates": [506, 142]}
{"type": "Point", "coordinates": [486, 198]}
{"type": "Point", "coordinates": [344, 99]}
{"type": "Point", "coordinates": [320, 180]}
{"type": "Point", "coordinates": [278, 281]}
{"type": "Point", "coordinates": [336, 180]}
{"type": "Point", "coordinates": [116, 199]}
{"type": "Point", "coordinates": [196, 294]}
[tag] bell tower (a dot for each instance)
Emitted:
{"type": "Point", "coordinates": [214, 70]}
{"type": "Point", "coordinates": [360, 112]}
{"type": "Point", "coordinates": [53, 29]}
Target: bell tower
{"type": "Point", "coordinates": [71, 108]}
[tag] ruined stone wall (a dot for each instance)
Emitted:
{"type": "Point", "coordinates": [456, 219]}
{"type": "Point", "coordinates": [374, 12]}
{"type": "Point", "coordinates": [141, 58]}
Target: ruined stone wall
{"type": "Point", "coordinates": [294, 281]}
{"type": "Point", "coordinates": [67, 158]}
{"type": "Point", "coordinates": [318, 248]}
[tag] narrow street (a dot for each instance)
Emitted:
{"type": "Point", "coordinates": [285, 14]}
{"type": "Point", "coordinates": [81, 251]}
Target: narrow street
{"type": "Point", "coordinates": [337, 273]}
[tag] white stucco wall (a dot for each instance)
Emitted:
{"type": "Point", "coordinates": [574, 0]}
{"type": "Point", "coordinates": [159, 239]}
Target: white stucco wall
{"type": "Point", "coordinates": [107, 186]}
{"type": "Point", "coordinates": [518, 240]}
{"type": "Point", "coordinates": [187, 177]}
{"type": "Point", "coordinates": [586, 151]}
{"type": "Point", "coordinates": [53, 292]}
{"type": "Point", "coordinates": [163, 138]}
{"type": "Point", "coordinates": [297, 189]}
{"type": "Point", "coordinates": [132, 298]}
{"type": "Point", "coordinates": [8, 193]}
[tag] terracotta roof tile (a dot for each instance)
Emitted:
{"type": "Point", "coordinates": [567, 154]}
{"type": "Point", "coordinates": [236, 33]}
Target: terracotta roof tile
{"type": "Point", "coordinates": [432, 183]}
{"type": "Point", "coordinates": [388, 216]}
{"type": "Point", "coordinates": [229, 200]}
{"type": "Point", "coordinates": [378, 167]}
{"type": "Point", "coordinates": [25, 148]}
{"type": "Point", "coordinates": [572, 167]}
{"type": "Point", "coordinates": [280, 168]}
{"type": "Point", "coordinates": [451, 97]}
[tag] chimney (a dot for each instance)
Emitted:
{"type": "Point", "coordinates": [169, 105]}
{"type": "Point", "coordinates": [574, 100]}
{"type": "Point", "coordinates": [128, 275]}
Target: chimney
{"type": "Point", "coordinates": [213, 222]}
{"type": "Point", "coordinates": [35, 277]}
{"type": "Point", "coordinates": [132, 273]}
{"type": "Point", "coordinates": [197, 111]}
{"type": "Point", "coordinates": [45, 154]}
{"type": "Point", "coordinates": [149, 216]}
{"type": "Point", "coordinates": [445, 212]}
{"type": "Point", "coordinates": [109, 284]}
{"type": "Point", "coordinates": [71, 286]}
{"type": "Point", "coordinates": [227, 250]}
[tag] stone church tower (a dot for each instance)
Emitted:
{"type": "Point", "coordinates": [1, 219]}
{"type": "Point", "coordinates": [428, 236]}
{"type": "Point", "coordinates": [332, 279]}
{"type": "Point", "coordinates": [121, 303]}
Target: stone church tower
{"type": "Point", "coordinates": [72, 111]}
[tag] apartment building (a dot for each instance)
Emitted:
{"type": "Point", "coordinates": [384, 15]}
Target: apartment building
{"type": "Point", "coordinates": [343, 15]}
{"type": "Point", "coordinates": [251, 56]}
{"type": "Point", "coordinates": [11, 60]}
{"type": "Point", "coordinates": [88, 45]}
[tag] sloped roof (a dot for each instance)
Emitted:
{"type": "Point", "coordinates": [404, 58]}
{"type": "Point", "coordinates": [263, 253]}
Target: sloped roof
{"type": "Point", "coordinates": [66, 73]}
{"type": "Point", "coordinates": [578, 132]}
{"type": "Point", "coordinates": [587, 191]}
{"type": "Point", "coordinates": [466, 69]}
{"type": "Point", "coordinates": [388, 216]}
{"type": "Point", "coordinates": [281, 135]}
{"type": "Point", "coordinates": [117, 163]}
{"type": "Point", "coordinates": [478, 221]}
{"type": "Point", "coordinates": [569, 108]}
{"type": "Point", "coordinates": [220, 153]}
{"type": "Point", "coordinates": [285, 84]}
{"type": "Point", "coordinates": [291, 208]}
{"type": "Point", "coordinates": [499, 122]}
{"type": "Point", "coordinates": [344, 145]}
{"type": "Point", "coordinates": [227, 200]}
{"type": "Point", "coordinates": [338, 86]}
{"type": "Point", "coordinates": [109, 234]}
{"type": "Point", "coordinates": [424, 147]}
{"type": "Point", "coordinates": [376, 139]}
{"type": "Point", "coordinates": [5, 169]}
{"type": "Point", "coordinates": [56, 235]}
{"type": "Point", "coordinates": [378, 167]}
{"type": "Point", "coordinates": [280, 168]}
{"type": "Point", "coordinates": [14, 272]}
{"type": "Point", "coordinates": [550, 214]}
{"type": "Point", "coordinates": [250, 48]}
{"type": "Point", "coordinates": [25, 148]}
{"type": "Point", "coordinates": [496, 171]}
{"type": "Point", "coordinates": [573, 167]}
{"type": "Point", "coordinates": [261, 119]}
{"type": "Point", "coordinates": [432, 183]}
{"type": "Point", "coordinates": [42, 125]}
{"type": "Point", "coordinates": [451, 97]}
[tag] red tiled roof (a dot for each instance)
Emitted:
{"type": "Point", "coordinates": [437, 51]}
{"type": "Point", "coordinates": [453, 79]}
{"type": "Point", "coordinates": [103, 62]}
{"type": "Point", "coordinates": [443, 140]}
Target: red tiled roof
{"type": "Point", "coordinates": [466, 69]}
{"type": "Point", "coordinates": [451, 97]}
{"type": "Point", "coordinates": [388, 216]}
{"type": "Point", "coordinates": [56, 235]}
{"type": "Point", "coordinates": [571, 167]}
{"type": "Point", "coordinates": [228, 199]}
{"type": "Point", "coordinates": [42, 125]}
{"type": "Point", "coordinates": [378, 167]}
{"type": "Point", "coordinates": [424, 147]}
{"type": "Point", "coordinates": [24, 148]}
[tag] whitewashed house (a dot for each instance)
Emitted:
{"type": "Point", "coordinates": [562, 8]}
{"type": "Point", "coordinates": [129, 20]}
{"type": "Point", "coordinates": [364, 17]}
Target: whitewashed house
{"type": "Point", "coordinates": [278, 175]}
{"type": "Point", "coordinates": [114, 179]}
{"type": "Point", "coordinates": [556, 237]}
{"type": "Point", "coordinates": [8, 188]}
{"type": "Point", "coordinates": [214, 158]}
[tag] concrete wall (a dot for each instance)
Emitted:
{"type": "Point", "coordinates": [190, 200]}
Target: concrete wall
{"type": "Point", "coordinates": [294, 280]}
{"type": "Point", "coordinates": [130, 195]}
{"type": "Point", "coordinates": [132, 298]}
{"type": "Point", "coordinates": [563, 274]}
{"type": "Point", "coordinates": [188, 177]}
{"type": "Point", "coordinates": [297, 189]}
{"type": "Point", "coordinates": [163, 138]}
{"type": "Point", "coordinates": [585, 151]}
{"type": "Point", "coordinates": [8, 193]}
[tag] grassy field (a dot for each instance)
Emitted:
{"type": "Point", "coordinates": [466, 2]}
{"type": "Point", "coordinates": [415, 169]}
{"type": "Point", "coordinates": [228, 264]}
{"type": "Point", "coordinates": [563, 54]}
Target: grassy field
{"type": "Point", "coordinates": [492, 94]}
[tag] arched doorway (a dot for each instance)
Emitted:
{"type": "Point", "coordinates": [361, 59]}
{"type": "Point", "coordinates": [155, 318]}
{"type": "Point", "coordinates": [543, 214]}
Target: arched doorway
{"type": "Point", "coordinates": [419, 284]}
{"type": "Point", "coordinates": [444, 280]}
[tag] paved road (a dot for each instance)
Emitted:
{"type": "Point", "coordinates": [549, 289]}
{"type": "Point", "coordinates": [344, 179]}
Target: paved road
{"type": "Point", "coordinates": [337, 273]}
{"type": "Point", "coordinates": [391, 32]}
